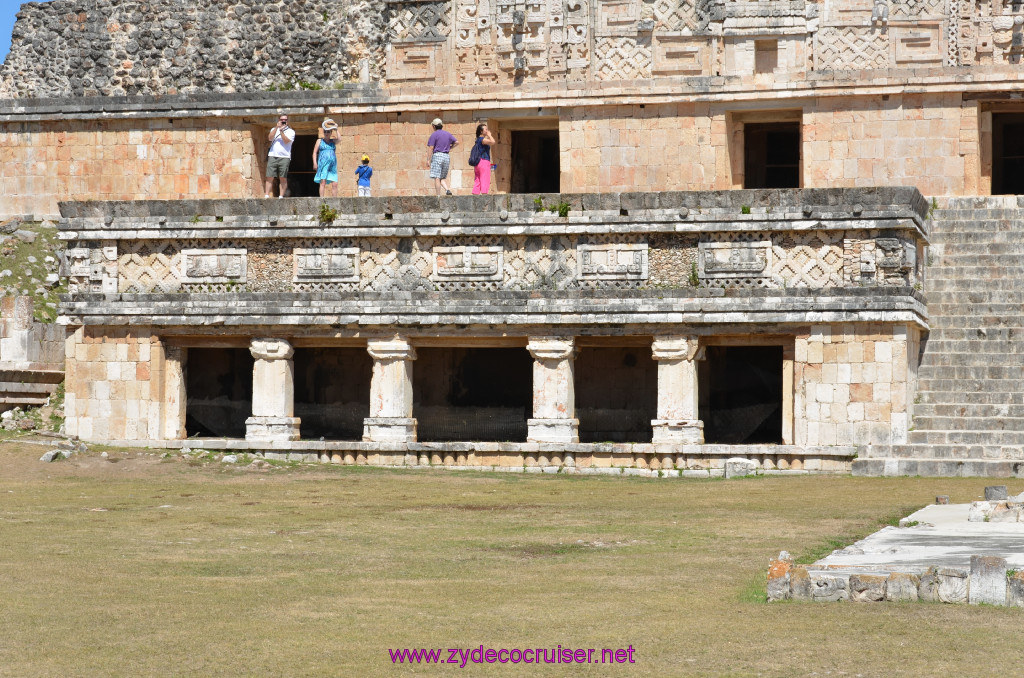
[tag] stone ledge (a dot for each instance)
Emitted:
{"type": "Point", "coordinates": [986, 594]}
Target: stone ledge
{"type": "Point", "coordinates": [764, 205]}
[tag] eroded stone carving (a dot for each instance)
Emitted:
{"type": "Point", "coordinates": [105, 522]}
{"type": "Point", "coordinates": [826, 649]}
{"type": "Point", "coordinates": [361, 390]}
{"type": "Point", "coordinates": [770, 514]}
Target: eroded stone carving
{"type": "Point", "coordinates": [612, 261]}
{"type": "Point", "coordinates": [720, 261]}
{"type": "Point", "coordinates": [213, 266]}
{"type": "Point", "coordinates": [468, 263]}
{"type": "Point", "coordinates": [333, 264]}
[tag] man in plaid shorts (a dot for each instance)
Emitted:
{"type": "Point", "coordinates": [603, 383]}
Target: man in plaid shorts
{"type": "Point", "coordinates": [441, 143]}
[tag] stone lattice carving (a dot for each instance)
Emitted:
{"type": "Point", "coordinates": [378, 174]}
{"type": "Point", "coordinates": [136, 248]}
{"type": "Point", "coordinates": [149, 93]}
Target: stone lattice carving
{"type": "Point", "coordinates": [412, 20]}
{"type": "Point", "coordinates": [91, 267]}
{"type": "Point", "coordinates": [622, 58]}
{"type": "Point", "coordinates": [915, 9]}
{"type": "Point", "coordinates": [845, 47]}
{"type": "Point", "coordinates": [147, 266]}
{"type": "Point", "coordinates": [496, 262]}
{"type": "Point", "coordinates": [813, 260]}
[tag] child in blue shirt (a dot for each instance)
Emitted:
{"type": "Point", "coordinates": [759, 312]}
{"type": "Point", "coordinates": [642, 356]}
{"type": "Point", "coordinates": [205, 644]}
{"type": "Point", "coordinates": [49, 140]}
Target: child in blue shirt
{"type": "Point", "coordinates": [364, 172]}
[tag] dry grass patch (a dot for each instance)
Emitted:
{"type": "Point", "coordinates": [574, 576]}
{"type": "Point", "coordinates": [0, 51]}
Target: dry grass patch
{"type": "Point", "coordinates": [318, 570]}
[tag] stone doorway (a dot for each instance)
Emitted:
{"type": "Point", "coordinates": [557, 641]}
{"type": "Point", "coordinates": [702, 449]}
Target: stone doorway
{"type": "Point", "coordinates": [218, 392]}
{"type": "Point", "coordinates": [616, 393]}
{"type": "Point", "coordinates": [300, 170]}
{"type": "Point", "coordinates": [771, 155]}
{"type": "Point", "coordinates": [332, 392]}
{"type": "Point", "coordinates": [464, 394]}
{"type": "Point", "coordinates": [741, 393]}
{"type": "Point", "coordinates": [535, 161]}
{"type": "Point", "coordinates": [1007, 153]}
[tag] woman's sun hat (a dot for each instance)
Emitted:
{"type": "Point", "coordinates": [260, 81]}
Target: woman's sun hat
{"type": "Point", "coordinates": [329, 125]}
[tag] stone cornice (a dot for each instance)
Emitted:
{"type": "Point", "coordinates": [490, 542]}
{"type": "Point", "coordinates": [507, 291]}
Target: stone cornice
{"type": "Point", "coordinates": [378, 98]}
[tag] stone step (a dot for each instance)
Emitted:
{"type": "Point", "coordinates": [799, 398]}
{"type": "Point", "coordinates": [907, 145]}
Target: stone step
{"type": "Point", "coordinates": [972, 310]}
{"type": "Point", "coordinates": [942, 353]}
{"type": "Point", "coordinates": [967, 411]}
{"type": "Point", "coordinates": [941, 451]}
{"type": "Point", "coordinates": [938, 467]}
{"type": "Point", "coordinates": [994, 371]}
{"type": "Point", "coordinates": [958, 423]}
{"type": "Point", "coordinates": [984, 438]}
{"type": "Point", "coordinates": [949, 332]}
{"type": "Point", "coordinates": [993, 257]}
{"type": "Point", "coordinates": [967, 396]}
{"type": "Point", "coordinates": [960, 284]}
{"type": "Point", "coordinates": [981, 239]}
{"type": "Point", "coordinates": [975, 296]}
{"type": "Point", "coordinates": [946, 252]}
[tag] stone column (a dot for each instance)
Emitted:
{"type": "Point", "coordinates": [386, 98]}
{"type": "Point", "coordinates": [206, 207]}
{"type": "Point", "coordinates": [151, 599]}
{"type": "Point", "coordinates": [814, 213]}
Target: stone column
{"type": "Point", "coordinates": [390, 417]}
{"type": "Point", "coordinates": [273, 392]}
{"type": "Point", "coordinates": [677, 420]}
{"type": "Point", "coordinates": [173, 373]}
{"type": "Point", "coordinates": [554, 394]}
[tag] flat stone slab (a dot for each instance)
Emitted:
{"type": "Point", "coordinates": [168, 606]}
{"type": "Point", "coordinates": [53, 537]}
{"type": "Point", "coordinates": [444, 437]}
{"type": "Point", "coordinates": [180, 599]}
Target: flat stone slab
{"type": "Point", "coordinates": [942, 538]}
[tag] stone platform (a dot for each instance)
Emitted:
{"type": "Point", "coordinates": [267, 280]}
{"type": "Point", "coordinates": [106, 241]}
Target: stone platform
{"type": "Point", "coordinates": [937, 555]}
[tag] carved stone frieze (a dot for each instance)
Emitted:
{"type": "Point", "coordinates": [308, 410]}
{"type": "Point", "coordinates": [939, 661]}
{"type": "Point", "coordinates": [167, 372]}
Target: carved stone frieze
{"type": "Point", "coordinates": [612, 261]}
{"type": "Point", "coordinates": [331, 264]}
{"type": "Point", "coordinates": [227, 265]}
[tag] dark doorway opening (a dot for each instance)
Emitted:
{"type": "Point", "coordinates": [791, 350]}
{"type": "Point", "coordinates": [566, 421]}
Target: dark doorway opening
{"type": "Point", "coordinates": [218, 392]}
{"type": "Point", "coordinates": [535, 162]}
{"type": "Point", "coordinates": [616, 394]}
{"type": "Point", "coordinates": [467, 394]}
{"type": "Point", "coordinates": [300, 169]}
{"type": "Point", "coordinates": [741, 398]}
{"type": "Point", "coordinates": [771, 155]}
{"type": "Point", "coordinates": [332, 392]}
{"type": "Point", "coordinates": [1007, 153]}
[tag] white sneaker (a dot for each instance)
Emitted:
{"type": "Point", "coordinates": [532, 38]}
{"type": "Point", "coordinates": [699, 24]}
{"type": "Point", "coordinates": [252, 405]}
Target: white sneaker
{"type": "Point", "coordinates": [279, 197]}
{"type": "Point", "coordinates": [265, 197]}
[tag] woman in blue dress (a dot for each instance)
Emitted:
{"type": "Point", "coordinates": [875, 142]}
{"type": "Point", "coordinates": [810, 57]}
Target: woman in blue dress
{"type": "Point", "coordinates": [325, 161]}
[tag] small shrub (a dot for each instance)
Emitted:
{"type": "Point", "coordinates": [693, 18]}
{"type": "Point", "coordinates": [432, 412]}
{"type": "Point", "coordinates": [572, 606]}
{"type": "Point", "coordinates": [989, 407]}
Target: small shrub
{"type": "Point", "coordinates": [694, 278]}
{"type": "Point", "coordinates": [194, 219]}
{"type": "Point", "coordinates": [563, 209]}
{"type": "Point", "coordinates": [327, 213]}
{"type": "Point", "coordinates": [745, 209]}
{"type": "Point", "coordinates": [538, 204]}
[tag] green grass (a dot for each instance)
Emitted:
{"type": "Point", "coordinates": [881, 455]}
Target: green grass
{"type": "Point", "coordinates": [16, 260]}
{"type": "Point", "coordinates": [150, 566]}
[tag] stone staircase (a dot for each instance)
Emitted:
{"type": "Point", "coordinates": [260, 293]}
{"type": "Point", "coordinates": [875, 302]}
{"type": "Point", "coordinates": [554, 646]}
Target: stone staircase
{"type": "Point", "coordinates": [969, 410]}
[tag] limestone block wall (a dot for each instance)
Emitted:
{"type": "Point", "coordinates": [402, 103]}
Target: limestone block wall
{"type": "Point", "coordinates": [42, 163]}
{"type": "Point", "coordinates": [24, 340]}
{"type": "Point", "coordinates": [855, 382]}
{"type": "Point", "coordinates": [936, 142]}
{"type": "Point", "coordinates": [114, 380]}
{"type": "Point", "coordinates": [928, 140]}
{"type": "Point", "coordinates": [110, 47]}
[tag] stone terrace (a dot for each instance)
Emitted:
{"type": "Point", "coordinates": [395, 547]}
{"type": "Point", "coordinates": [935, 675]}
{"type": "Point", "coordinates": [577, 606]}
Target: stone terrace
{"type": "Point", "coordinates": [629, 312]}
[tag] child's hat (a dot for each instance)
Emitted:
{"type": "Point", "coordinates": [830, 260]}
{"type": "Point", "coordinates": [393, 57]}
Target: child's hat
{"type": "Point", "coordinates": [329, 125]}
{"type": "Point", "coordinates": [366, 158]}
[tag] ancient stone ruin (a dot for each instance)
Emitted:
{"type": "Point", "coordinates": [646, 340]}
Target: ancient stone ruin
{"type": "Point", "coordinates": [776, 231]}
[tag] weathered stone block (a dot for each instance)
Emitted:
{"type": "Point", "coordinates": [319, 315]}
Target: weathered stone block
{"type": "Point", "coordinates": [901, 587]}
{"type": "Point", "coordinates": [988, 580]}
{"type": "Point", "coordinates": [953, 584]}
{"type": "Point", "coordinates": [867, 588]}
{"type": "Point", "coordinates": [928, 588]}
{"type": "Point", "coordinates": [778, 577]}
{"type": "Point", "coordinates": [738, 467]}
{"type": "Point", "coordinates": [996, 493]}
{"type": "Point", "coordinates": [829, 588]}
{"type": "Point", "coordinates": [1015, 589]}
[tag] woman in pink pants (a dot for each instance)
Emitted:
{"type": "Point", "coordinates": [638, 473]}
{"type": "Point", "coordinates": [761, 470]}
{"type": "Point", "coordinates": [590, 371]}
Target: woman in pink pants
{"type": "Point", "coordinates": [482, 171]}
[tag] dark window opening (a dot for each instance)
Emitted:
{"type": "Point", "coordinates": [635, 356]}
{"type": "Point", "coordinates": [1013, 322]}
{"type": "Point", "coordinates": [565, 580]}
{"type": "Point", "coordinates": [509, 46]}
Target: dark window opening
{"type": "Point", "coordinates": [218, 392]}
{"type": "Point", "coordinates": [771, 155]}
{"type": "Point", "coordinates": [1008, 154]}
{"type": "Point", "coordinates": [483, 394]}
{"type": "Point", "coordinates": [535, 161]}
{"type": "Point", "coordinates": [741, 394]}
{"type": "Point", "coordinates": [616, 394]}
{"type": "Point", "coordinates": [332, 392]}
{"type": "Point", "coordinates": [300, 169]}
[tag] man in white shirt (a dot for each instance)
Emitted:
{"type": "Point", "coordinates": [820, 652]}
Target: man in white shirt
{"type": "Point", "coordinates": [280, 156]}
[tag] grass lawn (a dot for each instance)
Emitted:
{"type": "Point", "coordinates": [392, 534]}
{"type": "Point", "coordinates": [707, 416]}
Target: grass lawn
{"type": "Point", "coordinates": [137, 565]}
